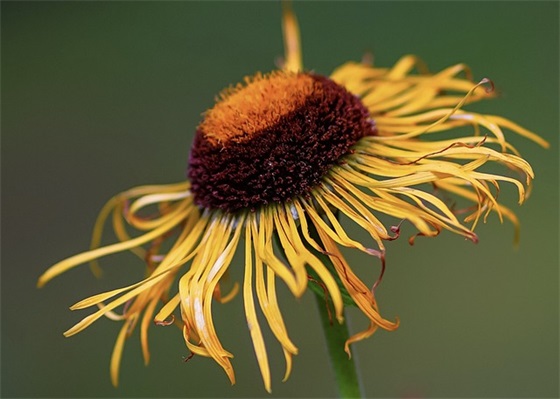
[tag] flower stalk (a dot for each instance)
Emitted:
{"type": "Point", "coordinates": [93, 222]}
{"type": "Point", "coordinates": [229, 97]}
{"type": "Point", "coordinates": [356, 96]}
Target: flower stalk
{"type": "Point", "coordinates": [336, 335]}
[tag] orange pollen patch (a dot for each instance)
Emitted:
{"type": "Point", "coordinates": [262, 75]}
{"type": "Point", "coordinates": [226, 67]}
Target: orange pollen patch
{"type": "Point", "coordinates": [249, 108]}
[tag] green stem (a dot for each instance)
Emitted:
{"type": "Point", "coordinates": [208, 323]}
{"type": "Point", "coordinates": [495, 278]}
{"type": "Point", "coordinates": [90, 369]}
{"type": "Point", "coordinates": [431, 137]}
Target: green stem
{"type": "Point", "coordinates": [336, 335]}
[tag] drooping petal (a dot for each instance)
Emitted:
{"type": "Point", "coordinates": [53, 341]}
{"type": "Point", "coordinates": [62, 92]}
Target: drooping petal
{"type": "Point", "coordinates": [251, 315]}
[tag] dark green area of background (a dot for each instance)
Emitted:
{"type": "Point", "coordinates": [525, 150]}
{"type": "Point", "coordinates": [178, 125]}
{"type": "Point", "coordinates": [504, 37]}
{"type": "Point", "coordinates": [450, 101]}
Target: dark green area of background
{"type": "Point", "coordinates": [98, 97]}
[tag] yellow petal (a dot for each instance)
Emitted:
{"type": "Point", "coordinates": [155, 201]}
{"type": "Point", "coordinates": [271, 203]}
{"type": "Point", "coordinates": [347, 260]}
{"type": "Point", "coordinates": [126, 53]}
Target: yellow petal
{"type": "Point", "coordinates": [292, 46]}
{"type": "Point", "coordinates": [117, 353]}
{"type": "Point", "coordinates": [251, 315]}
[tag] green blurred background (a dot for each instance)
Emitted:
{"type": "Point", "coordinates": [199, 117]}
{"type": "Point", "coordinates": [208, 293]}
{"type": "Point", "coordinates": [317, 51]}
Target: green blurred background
{"type": "Point", "coordinates": [98, 97]}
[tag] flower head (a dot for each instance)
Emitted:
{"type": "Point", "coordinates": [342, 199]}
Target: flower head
{"type": "Point", "coordinates": [273, 163]}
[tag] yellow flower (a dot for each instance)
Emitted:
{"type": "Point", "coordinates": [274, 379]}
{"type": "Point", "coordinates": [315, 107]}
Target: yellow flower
{"type": "Point", "coordinates": [272, 165]}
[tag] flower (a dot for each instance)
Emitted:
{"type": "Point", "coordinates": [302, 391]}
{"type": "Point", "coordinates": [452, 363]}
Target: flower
{"type": "Point", "coordinates": [273, 162]}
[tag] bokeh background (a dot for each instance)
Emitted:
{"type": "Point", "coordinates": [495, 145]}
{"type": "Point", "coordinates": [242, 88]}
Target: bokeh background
{"type": "Point", "coordinates": [98, 97]}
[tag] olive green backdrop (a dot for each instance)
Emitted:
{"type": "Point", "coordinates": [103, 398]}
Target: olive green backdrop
{"type": "Point", "coordinates": [98, 97]}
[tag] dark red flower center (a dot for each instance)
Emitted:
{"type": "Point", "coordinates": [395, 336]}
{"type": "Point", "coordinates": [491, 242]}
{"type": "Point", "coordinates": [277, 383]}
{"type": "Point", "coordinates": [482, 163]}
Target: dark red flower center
{"type": "Point", "coordinates": [272, 139]}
